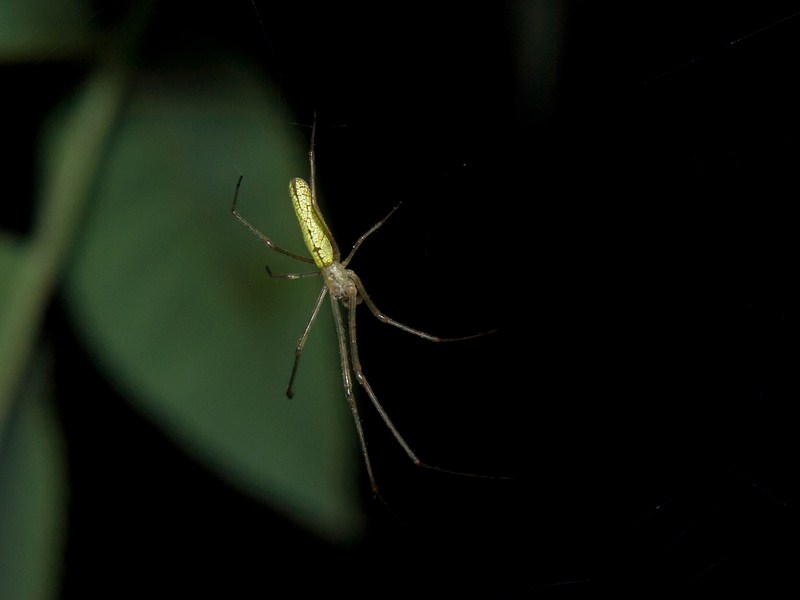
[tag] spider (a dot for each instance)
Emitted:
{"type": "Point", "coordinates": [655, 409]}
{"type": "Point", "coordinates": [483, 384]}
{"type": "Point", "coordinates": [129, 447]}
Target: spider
{"type": "Point", "coordinates": [343, 286]}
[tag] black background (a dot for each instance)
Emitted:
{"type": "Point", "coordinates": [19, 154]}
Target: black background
{"type": "Point", "coordinates": [628, 230]}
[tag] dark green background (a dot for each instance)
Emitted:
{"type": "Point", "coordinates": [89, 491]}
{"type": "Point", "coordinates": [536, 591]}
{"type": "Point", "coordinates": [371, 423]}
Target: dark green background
{"type": "Point", "coordinates": [611, 188]}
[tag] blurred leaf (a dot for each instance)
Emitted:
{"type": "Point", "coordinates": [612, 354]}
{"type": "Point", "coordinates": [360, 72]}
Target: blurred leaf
{"type": "Point", "coordinates": [32, 494]}
{"type": "Point", "coordinates": [10, 261]}
{"type": "Point", "coordinates": [31, 270]}
{"type": "Point", "coordinates": [39, 29]}
{"type": "Point", "coordinates": [32, 477]}
{"type": "Point", "coordinates": [171, 295]}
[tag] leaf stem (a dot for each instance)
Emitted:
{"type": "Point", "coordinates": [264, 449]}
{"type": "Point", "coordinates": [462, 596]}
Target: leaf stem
{"type": "Point", "coordinates": [69, 172]}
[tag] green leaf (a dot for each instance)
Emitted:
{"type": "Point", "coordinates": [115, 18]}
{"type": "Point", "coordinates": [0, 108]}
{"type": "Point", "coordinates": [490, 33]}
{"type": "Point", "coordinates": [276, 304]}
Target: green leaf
{"type": "Point", "coordinates": [11, 265]}
{"type": "Point", "coordinates": [32, 493]}
{"type": "Point", "coordinates": [11, 258]}
{"type": "Point", "coordinates": [32, 469]}
{"type": "Point", "coordinates": [30, 269]}
{"type": "Point", "coordinates": [171, 295]}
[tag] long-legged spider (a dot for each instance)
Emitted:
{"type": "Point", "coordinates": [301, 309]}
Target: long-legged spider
{"type": "Point", "coordinates": [341, 284]}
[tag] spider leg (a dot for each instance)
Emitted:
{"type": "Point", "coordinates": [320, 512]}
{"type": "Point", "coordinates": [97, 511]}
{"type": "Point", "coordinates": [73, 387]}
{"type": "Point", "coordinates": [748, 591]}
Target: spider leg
{"type": "Point", "coordinates": [290, 275]}
{"type": "Point", "coordinates": [264, 239]}
{"type": "Point", "coordinates": [384, 319]}
{"type": "Point", "coordinates": [362, 379]}
{"type": "Point", "coordinates": [348, 391]}
{"type": "Point", "coordinates": [313, 175]}
{"type": "Point", "coordinates": [298, 351]}
{"type": "Point", "coordinates": [371, 230]}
